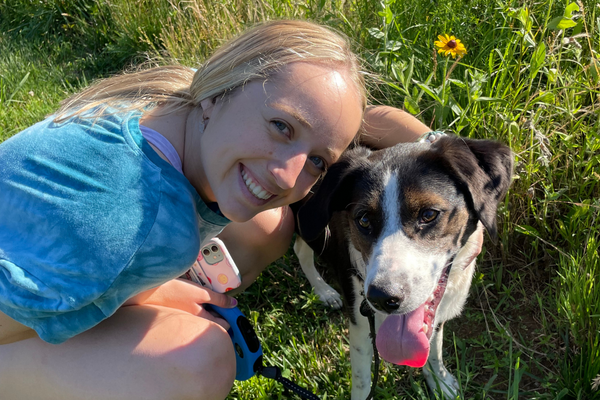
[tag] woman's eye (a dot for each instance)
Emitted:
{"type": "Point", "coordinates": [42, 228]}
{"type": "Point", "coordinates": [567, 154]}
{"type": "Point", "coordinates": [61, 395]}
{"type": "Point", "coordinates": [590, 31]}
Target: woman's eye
{"type": "Point", "coordinates": [282, 127]}
{"type": "Point", "coordinates": [428, 215]}
{"type": "Point", "coordinates": [318, 162]}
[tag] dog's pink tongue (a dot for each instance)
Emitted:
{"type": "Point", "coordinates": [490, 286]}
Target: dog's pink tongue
{"type": "Point", "coordinates": [401, 339]}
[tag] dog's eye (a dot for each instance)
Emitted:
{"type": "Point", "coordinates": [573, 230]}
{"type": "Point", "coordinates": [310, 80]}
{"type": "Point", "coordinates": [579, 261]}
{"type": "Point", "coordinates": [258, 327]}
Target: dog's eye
{"type": "Point", "coordinates": [428, 215]}
{"type": "Point", "coordinates": [364, 222]}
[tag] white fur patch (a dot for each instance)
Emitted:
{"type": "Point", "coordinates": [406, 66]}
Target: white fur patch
{"type": "Point", "coordinates": [396, 258]}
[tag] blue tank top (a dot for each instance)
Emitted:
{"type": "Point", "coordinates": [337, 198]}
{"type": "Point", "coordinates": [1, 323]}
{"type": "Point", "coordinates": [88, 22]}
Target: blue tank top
{"type": "Point", "coordinates": [90, 215]}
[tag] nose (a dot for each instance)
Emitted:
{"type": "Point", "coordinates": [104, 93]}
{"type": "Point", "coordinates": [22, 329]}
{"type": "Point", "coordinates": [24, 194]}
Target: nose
{"type": "Point", "coordinates": [382, 300]}
{"type": "Point", "coordinates": [287, 170]}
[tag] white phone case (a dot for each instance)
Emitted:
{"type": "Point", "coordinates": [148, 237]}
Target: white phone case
{"type": "Point", "coordinates": [214, 268]}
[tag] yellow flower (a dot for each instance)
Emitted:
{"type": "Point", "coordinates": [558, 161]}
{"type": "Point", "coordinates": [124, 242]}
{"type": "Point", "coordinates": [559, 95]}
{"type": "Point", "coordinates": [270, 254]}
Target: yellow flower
{"type": "Point", "coordinates": [450, 45]}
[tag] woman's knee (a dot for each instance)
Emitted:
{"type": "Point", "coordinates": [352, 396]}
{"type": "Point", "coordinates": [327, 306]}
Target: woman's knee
{"type": "Point", "coordinates": [187, 357]}
{"type": "Point", "coordinates": [204, 364]}
{"type": "Point", "coordinates": [141, 352]}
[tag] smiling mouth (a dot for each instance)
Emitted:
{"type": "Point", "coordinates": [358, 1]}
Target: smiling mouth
{"type": "Point", "coordinates": [253, 187]}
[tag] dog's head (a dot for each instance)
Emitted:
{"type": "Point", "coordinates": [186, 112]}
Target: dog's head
{"type": "Point", "coordinates": [409, 209]}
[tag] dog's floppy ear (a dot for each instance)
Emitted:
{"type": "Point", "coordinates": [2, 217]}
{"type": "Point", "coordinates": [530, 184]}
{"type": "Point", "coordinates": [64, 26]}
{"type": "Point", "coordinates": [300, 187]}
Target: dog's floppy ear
{"type": "Point", "coordinates": [485, 167]}
{"type": "Point", "coordinates": [333, 194]}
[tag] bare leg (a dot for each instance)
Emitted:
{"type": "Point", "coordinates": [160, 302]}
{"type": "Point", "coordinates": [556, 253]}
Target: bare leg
{"type": "Point", "coordinates": [141, 352]}
{"type": "Point", "coordinates": [257, 243]}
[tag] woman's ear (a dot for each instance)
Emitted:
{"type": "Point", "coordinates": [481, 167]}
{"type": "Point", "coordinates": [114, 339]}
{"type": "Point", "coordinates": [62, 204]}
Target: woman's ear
{"type": "Point", "coordinates": [207, 107]}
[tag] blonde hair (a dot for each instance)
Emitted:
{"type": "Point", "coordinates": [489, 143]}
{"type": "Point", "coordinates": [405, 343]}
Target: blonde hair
{"type": "Point", "coordinates": [258, 53]}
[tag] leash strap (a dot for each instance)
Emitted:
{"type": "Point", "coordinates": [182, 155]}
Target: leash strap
{"type": "Point", "coordinates": [275, 374]}
{"type": "Point", "coordinates": [367, 311]}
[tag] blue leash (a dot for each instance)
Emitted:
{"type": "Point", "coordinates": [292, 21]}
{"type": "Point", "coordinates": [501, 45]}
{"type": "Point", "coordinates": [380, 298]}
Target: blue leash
{"type": "Point", "coordinates": [248, 352]}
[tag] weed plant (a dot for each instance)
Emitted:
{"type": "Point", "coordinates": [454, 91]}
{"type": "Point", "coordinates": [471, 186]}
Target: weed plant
{"type": "Point", "coordinates": [530, 78]}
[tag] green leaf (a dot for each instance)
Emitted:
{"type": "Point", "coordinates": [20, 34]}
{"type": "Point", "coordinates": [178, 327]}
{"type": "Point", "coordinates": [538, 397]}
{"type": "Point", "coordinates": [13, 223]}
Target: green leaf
{"type": "Point", "coordinates": [514, 128]}
{"type": "Point", "coordinates": [578, 29]}
{"type": "Point", "coordinates": [569, 10]}
{"type": "Point", "coordinates": [387, 13]}
{"type": "Point", "coordinates": [561, 23]}
{"type": "Point", "coordinates": [458, 83]}
{"type": "Point", "coordinates": [522, 14]}
{"type": "Point", "coordinates": [396, 72]}
{"type": "Point", "coordinates": [527, 230]}
{"type": "Point", "coordinates": [594, 70]}
{"type": "Point", "coordinates": [455, 107]}
{"type": "Point", "coordinates": [566, 23]}
{"type": "Point", "coordinates": [409, 70]}
{"type": "Point", "coordinates": [393, 45]}
{"type": "Point", "coordinates": [529, 39]}
{"type": "Point", "coordinates": [491, 64]}
{"type": "Point", "coordinates": [18, 87]}
{"type": "Point", "coordinates": [491, 99]}
{"type": "Point", "coordinates": [411, 105]}
{"type": "Point", "coordinates": [537, 60]}
{"type": "Point", "coordinates": [430, 92]}
{"type": "Point", "coordinates": [562, 393]}
{"type": "Point", "coordinates": [376, 33]}
{"type": "Point", "coordinates": [398, 88]}
{"type": "Point", "coordinates": [552, 74]}
{"type": "Point", "coordinates": [545, 97]}
{"type": "Point", "coordinates": [553, 24]}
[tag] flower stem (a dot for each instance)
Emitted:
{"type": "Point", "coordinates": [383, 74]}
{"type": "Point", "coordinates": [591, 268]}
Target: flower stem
{"type": "Point", "coordinates": [443, 97]}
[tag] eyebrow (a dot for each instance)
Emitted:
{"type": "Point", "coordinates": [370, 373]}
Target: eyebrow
{"type": "Point", "coordinates": [293, 112]}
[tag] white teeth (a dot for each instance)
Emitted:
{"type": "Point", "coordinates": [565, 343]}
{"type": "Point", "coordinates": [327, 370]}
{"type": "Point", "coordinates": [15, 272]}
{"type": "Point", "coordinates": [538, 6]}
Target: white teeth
{"type": "Point", "coordinates": [254, 188]}
{"type": "Point", "coordinates": [425, 328]}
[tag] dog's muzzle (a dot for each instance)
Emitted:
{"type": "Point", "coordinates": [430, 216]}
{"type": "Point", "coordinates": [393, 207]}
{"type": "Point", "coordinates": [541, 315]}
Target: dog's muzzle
{"type": "Point", "coordinates": [383, 301]}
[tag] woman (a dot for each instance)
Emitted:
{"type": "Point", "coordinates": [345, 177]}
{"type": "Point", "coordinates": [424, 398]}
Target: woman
{"type": "Point", "coordinates": [105, 203]}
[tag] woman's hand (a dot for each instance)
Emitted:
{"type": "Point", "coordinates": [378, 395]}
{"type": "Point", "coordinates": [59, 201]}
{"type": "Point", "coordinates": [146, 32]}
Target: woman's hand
{"type": "Point", "coordinates": [186, 296]}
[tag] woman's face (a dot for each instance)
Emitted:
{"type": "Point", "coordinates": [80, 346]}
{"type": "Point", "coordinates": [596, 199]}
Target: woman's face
{"type": "Point", "coordinates": [267, 143]}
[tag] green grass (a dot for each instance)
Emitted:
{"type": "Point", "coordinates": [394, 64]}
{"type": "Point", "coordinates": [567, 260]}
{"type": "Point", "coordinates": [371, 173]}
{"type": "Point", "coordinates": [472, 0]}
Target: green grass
{"type": "Point", "coordinates": [531, 327]}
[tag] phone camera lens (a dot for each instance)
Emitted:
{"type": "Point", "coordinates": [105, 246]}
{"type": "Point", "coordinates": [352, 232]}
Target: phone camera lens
{"type": "Point", "coordinates": [206, 252]}
{"type": "Point", "coordinates": [214, 249]}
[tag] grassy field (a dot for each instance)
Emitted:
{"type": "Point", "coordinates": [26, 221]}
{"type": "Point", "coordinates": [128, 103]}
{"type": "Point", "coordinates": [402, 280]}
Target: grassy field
{"type": "Point", "coordinates": [530, 78]}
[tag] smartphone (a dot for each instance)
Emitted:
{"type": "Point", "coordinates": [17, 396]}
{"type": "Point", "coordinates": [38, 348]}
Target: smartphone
{"type": "Point", "coordinates": [214, 268]}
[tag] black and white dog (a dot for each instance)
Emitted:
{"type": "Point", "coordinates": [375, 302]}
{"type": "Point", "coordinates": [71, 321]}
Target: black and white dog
{"type": "Point", "coordinates": [393, 226]}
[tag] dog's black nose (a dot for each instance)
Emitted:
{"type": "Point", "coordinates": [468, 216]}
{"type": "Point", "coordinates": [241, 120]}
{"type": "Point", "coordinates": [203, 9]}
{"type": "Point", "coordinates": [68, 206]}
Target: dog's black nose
{"type": "Point", "coordinates": [383, 301]}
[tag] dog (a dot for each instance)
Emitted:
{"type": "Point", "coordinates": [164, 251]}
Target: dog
{"type": "Point", "coordinates": [396, 227]}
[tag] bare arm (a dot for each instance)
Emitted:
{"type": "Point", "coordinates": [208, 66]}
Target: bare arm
{"type": "Point", "coordinates": [186, 296]}
{"type": "Point", "coordinates": [12, 331]}
{"type": "Point", "coordinates": [386, 126]}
